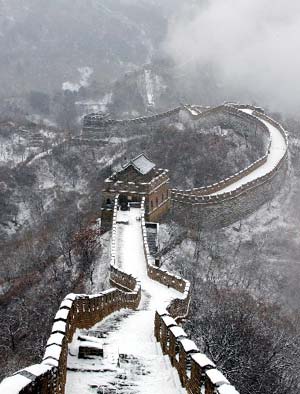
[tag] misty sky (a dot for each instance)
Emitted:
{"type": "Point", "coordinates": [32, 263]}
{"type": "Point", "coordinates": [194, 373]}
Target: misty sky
{"type": "Point", "coordinates": [252, 45]}
{"type": "Point", "coordinates": [244, 50]}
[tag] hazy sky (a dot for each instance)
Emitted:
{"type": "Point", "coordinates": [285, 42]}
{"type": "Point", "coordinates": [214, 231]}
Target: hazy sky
{"type": "Point", "coordinates": [251, 44]}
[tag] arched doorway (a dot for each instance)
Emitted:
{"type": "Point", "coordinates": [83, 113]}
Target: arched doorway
{"type": "Point", "coordinates": [123, 202]}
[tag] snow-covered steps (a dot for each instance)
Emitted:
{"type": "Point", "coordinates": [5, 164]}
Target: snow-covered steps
{"type": "Point", "coordinates": [132, 359]}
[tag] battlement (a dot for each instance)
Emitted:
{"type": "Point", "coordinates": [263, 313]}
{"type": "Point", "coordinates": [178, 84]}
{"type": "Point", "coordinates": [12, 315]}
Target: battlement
{"type": "Point", "coordinates": [77, 311]}
{"type": "Point", "coordinates": [197, 373]}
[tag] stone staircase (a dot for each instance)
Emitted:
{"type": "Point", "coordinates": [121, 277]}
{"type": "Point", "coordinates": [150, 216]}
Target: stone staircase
{"type": "Point", "coordinates": [124, 368]}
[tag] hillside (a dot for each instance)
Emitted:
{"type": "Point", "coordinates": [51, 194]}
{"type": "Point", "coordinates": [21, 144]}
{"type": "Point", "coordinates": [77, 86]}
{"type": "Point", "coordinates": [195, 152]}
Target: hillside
{"type": "Point", "coordinates": [60, 176]}
{"type": "Point", "coordinates": [42, 48]}
{"type": "Point", "coordinates": [220, 252]}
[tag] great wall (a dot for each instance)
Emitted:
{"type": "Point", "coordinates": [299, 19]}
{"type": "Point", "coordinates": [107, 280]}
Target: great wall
{"type": "Point", "coordinates": [159, 299]}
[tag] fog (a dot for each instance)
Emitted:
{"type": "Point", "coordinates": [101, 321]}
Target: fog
{"type": "Point", "coordinates": [251, 46]}
{"type": "Point", "coordinates": [224, 50]}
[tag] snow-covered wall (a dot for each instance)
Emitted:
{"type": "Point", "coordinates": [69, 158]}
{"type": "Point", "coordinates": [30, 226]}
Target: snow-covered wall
{"type": "Point", "coordinates": [178, 308]}
{"type": "Point", "coordinates": [81, 311]}
{"type": "Point", "coordinates": [94, 121]}
{"type": "Point", "coordinates": [242, 193]}
{"type": "Point", "coordinates": [77, 311]}
{"type": "Point", "coordinates": [196, 371]}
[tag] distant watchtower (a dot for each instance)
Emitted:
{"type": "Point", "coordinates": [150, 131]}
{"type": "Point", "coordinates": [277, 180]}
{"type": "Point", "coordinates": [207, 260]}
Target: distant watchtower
{"type": "Point", "coordinates": [137, 179]}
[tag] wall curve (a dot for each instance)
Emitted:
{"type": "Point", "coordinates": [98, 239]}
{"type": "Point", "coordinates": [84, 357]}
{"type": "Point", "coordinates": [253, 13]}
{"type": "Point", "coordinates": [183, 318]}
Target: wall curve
{"type": "Point", "coordinates": [214, 208]}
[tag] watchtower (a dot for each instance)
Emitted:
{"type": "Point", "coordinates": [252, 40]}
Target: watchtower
{"type": "Point", "coordinates": [134, 180]}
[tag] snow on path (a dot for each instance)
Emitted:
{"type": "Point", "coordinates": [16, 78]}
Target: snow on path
{"type": "Point", "coordinates": [277, 150]}
{"type": "Point", "coordinates": [131, 258]}
{"type": "Point", "coordinates": [146, 370]}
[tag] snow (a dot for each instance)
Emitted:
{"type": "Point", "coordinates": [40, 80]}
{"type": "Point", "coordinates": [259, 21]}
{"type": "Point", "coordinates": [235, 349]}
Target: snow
{"type": "Point", "coordinates": [132, 260]}
{"type": "Point", "coordinates": [39, 156]}
{"type": "Point", "coordinates": [169, 321]}
{"type": "Point", "coordinates": [55, 339]}
{"type": "Point", "coordinates": [87, 338]}
{"type": "Point", "coordinates": [216, 377]}
{"type": "Point", "coordinates": [162, 311]}
{"type": "Point", "coordinates": [277, 150]}
{"type": "Point", "coordinates": [85, 74]}
{"type": "Point", "coordinates": [141, 163]}
{"type": "Point", "coordinates": [179, 126]}
{"type": "Point", "coordinates": [226, 389]}
{"type": "Point", "coordinates": [59, 326]}
{"type": "Point", "coordinates": [14, 384]}
{"type": "Point", "coordinates": [48, 133]}
{"type": "Point", "coordinates": [100, 272]}
{"type": "Point", "coordinates": [188, 345]}
{"type": "Point", "coordinates": [192, 110]}
{"type": "Point", "coordinates": [149, 87]}
{"type": "Point", "coordinates": [66, 304]}
{"type": "Point", "coordinates": [248, 111]}
{"type": "Point", "coordinates": [9, 153]}
{"type": "Point", "coordinates": [38, 369]}
{"type": "Point", "coordinates": [202, 360]}
{"type": "Point", "coordinates": [91, 345]}
{"type": "Point", "coordinates": [62, 314]}
{"type": "Point", "coordinates": [132, 336]}
{"type": "Point", "coordinates": [178, 332]}
{"type": "Point", "coordinates": [71, 296]}
{"type": "Point", "coordinates": [53, 351]}
{"type": "Point", "coordinates": [50, 361]}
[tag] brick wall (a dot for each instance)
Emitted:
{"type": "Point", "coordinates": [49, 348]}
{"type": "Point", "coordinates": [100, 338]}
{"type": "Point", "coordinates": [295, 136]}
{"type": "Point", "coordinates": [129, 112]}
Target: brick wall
{"type": "Point", "coordinates": [77, 311]}
{"type": "Point", "coordinates": [198, 209]}
{"type": "Point", "coordinates": [197, 373]}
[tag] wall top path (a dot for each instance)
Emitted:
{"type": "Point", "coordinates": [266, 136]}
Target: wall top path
{"type": "Point", "coordinates": [258, 172]}
{"type": "Point", "coordinates": [255, 174]}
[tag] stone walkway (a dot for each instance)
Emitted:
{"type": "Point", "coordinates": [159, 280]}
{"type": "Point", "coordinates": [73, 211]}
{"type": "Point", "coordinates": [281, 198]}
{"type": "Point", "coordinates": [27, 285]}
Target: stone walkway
{"type": "Point", "coordinates": [133, 362]}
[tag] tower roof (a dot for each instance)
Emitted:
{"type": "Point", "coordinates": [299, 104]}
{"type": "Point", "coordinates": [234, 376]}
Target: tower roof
{"type": "Point", "coordinates": [141, 163]}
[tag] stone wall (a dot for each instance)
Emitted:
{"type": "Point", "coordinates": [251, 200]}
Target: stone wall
{"type": "Point", "coordinates": [218, 212]}
{"type": "Point", "coordinates": [160, 211]}
{"type": "Point", "coordinates": [93, 122]}
{"type": "Point", "coordinates": [132, 188]}
{"type": "Point", "coordinates": [197, 373]}
{"type": "Point", "coordinates": [252, 121]}
{"type": "Point", "coordinates": [178, 308]}
{"type": "Point", "coordinates": [197, 208]}
{"type": "Point", "coordinates": [214, 210]}
{"type": "Point", "coordinates": [157, 201]}
{"type": "Point", "coordinates": [77, 311]}
{"type": "Point", "coordinates": [215, 187]}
